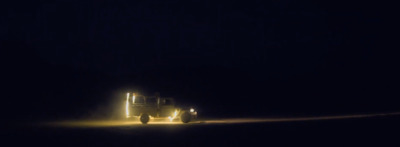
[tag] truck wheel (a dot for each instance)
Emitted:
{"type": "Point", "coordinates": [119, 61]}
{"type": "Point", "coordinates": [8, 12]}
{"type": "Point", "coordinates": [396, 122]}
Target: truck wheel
{"type": "Point", "coordinates": [185, 117]}
{"type": "Point", "coordinates": [144, 118]}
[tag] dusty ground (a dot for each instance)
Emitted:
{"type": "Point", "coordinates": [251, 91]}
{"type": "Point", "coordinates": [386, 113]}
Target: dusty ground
{"type": "Point", "coordinates": [350, 130]}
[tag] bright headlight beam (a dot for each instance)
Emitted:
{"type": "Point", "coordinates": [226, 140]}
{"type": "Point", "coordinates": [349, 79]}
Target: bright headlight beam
{"type": "Point", "coordinates": [120, 123]}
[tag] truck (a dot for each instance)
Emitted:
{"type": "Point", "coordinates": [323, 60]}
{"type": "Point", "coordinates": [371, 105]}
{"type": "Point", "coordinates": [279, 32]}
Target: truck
{"type": "Point", "coordinates": [146, 107]}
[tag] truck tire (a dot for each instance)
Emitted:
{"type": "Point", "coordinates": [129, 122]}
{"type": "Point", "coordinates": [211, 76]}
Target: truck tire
{"type": "Point", "coordinates": [186, 117]}
{"type": "Point", "coordinates": [144, 118]}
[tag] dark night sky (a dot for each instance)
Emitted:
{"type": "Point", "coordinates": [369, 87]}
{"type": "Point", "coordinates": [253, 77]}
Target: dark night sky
{"type": "Point", "coordinates": [282, 56]}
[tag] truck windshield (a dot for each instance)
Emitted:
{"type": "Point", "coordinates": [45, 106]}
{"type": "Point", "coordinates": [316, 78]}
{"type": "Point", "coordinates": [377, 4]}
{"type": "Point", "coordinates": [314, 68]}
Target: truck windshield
{"type": "Point", "coordinates": [167, 102]}
{"type": "Point", "coordinates": [151, 101]}
{"type": "Point", "coordinates": [139, 100]}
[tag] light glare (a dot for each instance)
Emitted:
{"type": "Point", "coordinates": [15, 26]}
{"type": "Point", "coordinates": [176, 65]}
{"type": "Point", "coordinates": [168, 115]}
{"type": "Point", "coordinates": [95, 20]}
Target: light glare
{"type": "Point", "coordinates": [173, 116]}
{"type": "Point", "coordinates": [127, 105]}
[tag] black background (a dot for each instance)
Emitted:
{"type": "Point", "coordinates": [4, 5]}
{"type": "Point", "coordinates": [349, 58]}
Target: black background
{"type": "Point", "coordinates": [78, 58]}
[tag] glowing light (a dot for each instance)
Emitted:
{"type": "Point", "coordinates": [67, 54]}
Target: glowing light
{"type": "Point", "coordinates": [173, 116]}
{"type": "Point", "coordinates": [127, 105]}
{"type": "Point", "coordinates": [133, 99]}
{"type": "Point", "coordinates": [191, 110]}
